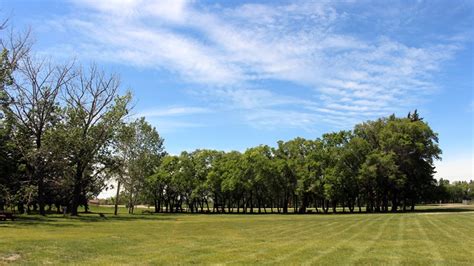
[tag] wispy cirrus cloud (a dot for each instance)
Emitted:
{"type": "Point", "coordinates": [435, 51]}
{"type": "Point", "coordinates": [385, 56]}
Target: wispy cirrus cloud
{"type": "Point", "coordinates": [172, 111]}
{"type": "Point", "coordinates": [236, 52]}
{"type": "Point", "coordinates": [173, 118]}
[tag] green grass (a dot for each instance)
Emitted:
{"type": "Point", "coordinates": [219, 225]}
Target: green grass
{"type": "Point", "coordinates": [434, 236]}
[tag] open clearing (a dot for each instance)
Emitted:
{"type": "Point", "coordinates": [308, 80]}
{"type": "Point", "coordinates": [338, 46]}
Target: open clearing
{"type": "Point", "coordinates": [404, 238]}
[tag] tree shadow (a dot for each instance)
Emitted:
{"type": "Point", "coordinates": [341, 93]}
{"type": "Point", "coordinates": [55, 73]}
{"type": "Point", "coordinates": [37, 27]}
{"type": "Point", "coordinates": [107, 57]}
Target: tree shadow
{"type": "Point", "coordinates": [71, 221]}
{"type": "Point", "coordinates": [443, 210]}
{"type": "Point", "coordinates": [58, 220]}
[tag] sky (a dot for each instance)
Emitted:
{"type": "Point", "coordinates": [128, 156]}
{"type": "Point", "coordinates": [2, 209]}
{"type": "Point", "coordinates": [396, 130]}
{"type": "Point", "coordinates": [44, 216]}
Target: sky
{"type": "Point", "coordinates": [230, 75]}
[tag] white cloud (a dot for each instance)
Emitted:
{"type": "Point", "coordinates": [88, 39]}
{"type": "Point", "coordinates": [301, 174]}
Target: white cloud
{"type": "Point", "coordinates": [172, 111]}
{"type": "Point", "coordinates": [173, 118]}
{"type": "Point", "coordinates": [166, 126]}
{"type": "Point", "coordinates": [276, 119]}
{"type": "Point", "coordinates": [172, 10]}
{"type": "Point", "coordinates": [349, 77]}
{"type": "Point", "coordinates": [240, 98]}
{"type": "Point", "coordinates": [155, 48]}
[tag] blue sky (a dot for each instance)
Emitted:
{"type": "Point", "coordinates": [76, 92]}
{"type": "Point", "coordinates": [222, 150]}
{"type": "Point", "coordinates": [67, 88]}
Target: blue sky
{"type": "Point", "coordinates": [229, 75]}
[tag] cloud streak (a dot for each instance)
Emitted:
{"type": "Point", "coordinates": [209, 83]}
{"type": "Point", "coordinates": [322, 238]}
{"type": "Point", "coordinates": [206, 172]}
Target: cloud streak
{"type": "Point", "coordinates": [231, 51]}
{"type": "Point", "coordinates": [172, 111]}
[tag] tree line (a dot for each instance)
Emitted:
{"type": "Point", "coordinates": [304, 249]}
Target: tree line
{"type": "Point", "coordinates": [456, 192]}
{"type": "Point", "coordinates": [379, 166]}
{"type": "Point", "coordinates": [65, 130]}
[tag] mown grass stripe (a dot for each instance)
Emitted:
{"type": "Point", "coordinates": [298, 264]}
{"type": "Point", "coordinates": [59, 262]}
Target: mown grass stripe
{"type": "Point", "coordinates": [364, 247]}
{"type": "Point", "coordinates": [324, 253]}
{"type": "Point", "coordinates": [431, 247]}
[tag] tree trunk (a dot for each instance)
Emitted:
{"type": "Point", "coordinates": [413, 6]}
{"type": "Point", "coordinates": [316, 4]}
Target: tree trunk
{"type": "Point", "coordinates": [358, 205]}
{"type": "Point", "coordinates": [351, 205]}
{"type": "Point", "coordinates": [117, 198]}
{"type": "Point", "coordinates": [251, 203]}
{"type": "Point", "coordinates": [394, 204]}
{"type": "Point", "coordinates": [41, 195]}
{"type": "Point", "coordinates": [295, 203]}
{"type": "Point", "coordinates": [259, 205]}
{"type": "Point", "coordinates": [304, 204]}
{"type": "Point", "coordinates": [325, 206]}
{"type": "Point", "coordinates": [157, 206]}
{"type": "Point", "coordinates": [385, 203]}
{"type": "Point", "coordinates": [38, 175]}
{"type": "Point", "coordinates": [223, 204]}
{"type": "Point", "coordinates": [130, 202]}
{"type": "Point", "coordinates": [76, 197]}
{"type": "Point", "coordinates": [21, 208]}
{"type": "Point", "coordinates": [179, 205]}
{"type": "Point", "coordinates": [190, 205]}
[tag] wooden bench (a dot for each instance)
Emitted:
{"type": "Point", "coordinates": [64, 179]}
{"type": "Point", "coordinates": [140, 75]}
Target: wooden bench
{"type": "Point", "coordinates": [6, 215]}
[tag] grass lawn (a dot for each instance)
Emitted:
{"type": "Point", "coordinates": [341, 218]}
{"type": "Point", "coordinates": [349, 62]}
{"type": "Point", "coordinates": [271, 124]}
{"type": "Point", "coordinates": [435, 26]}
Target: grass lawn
{"type": "Point", "coordinates": [434, 236]}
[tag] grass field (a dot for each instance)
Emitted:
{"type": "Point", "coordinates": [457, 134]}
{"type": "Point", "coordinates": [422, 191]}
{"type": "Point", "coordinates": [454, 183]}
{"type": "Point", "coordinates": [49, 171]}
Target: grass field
{"type": "Point", "coordinates": [434, 236]}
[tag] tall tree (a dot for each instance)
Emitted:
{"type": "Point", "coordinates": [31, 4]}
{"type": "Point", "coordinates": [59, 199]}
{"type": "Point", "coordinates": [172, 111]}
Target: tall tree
{"type": "Point", "coordinates": [258, 171]}
{"type": "Point", "coordinates": [203, 161]}
{"type": "Point", "coordinates": [415, 146]}
{"type": "Point", "coordinates": [229, 177]}
{"type": "Point", "coordinates": [94, 112]}
{"type": "Point", "coordinates": [140, 150]}
{"type": "Point", "coordinates": [35, 110]}
{"type": "Point", "coordinates": [286, 175]}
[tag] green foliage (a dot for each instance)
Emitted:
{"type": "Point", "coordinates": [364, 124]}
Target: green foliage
{"type": "Point", "coordinates": [139, 149]}
{"type": "Point", "coordinates": [382, 164]}
{"type": "Point", "coordinates": [452, 192]}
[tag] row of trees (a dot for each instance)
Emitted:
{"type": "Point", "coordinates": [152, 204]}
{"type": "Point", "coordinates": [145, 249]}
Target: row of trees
{"type": "Point", "coordinates": [380, 165]}
{"type": "Point", "coordinates": [446, 192]}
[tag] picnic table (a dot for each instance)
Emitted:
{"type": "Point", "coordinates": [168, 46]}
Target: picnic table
{"type": "Point", "coordinates": [6, 215]}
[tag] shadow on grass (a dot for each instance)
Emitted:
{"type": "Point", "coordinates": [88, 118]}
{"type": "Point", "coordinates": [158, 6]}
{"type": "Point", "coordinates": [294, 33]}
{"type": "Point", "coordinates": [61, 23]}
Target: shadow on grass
{"type": "Point", "coordinates": [443, 210]}
{"type": "Point", "coordinates": [58, 220]}
{"type": "Point", "coordinates": [71, 221]}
